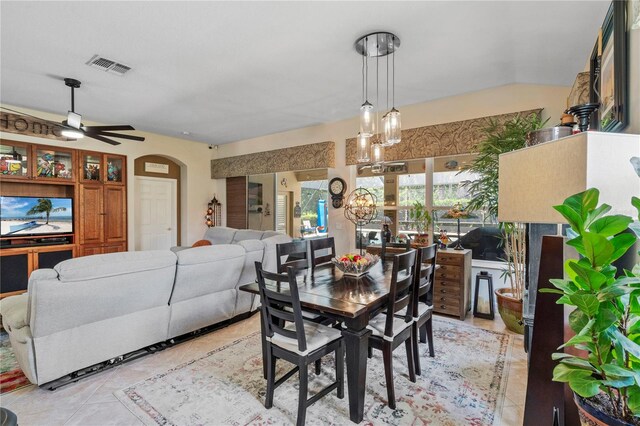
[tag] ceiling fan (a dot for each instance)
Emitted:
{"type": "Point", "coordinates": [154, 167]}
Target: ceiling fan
{"type": "Point", "coordinates": [73, 128]}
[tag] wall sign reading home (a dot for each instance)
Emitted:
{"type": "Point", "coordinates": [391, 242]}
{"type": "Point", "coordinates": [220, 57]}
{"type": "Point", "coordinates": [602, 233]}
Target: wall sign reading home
{"type": "Point", "coordinates": [24, 125]}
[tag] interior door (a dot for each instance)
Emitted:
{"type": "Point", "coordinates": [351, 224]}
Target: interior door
{"type": "Point", "coordinates": [91, 214]}
{"type": "Point", "coordinates": [155, 215]}
{"type": "Point", "coordinates": [283, 224]}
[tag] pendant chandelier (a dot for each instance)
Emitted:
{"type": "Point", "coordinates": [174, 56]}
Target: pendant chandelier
{"type": "Point", "coordinates": [375, 135]}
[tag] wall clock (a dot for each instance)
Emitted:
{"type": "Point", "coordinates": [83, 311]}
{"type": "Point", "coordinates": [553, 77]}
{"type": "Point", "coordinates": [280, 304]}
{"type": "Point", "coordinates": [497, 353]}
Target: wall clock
{"type": "Point", "coordinates": [337, 188]}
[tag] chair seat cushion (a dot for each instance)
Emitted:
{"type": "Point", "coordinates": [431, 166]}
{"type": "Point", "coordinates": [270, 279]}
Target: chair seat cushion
{"type": "Point", "coordinates": [377, 324]}
{"type": "Point", "coordinates": [423, 308]}
{"type": "Point", "coordinates": [317, 336]}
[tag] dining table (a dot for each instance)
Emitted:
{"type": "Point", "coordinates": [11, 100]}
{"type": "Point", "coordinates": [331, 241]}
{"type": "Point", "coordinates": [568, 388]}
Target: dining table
{"type": "Point", "coordinates": [352, 301]}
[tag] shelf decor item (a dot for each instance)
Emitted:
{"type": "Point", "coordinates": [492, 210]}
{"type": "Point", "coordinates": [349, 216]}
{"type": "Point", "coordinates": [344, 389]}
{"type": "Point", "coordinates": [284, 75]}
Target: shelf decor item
{"type": "Point", "coordinates": [214, 213]}
{"type": "Point", "coordinates": [352, 264]}
{"type": "Point", "coordinates": [457, 212]}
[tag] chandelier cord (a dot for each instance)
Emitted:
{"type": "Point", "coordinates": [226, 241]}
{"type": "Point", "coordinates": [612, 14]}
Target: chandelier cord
{"type": "Point", "coordinates": [363, 91]}
{"type": "Point", "coordinates": [387, 58]}
{"type": "Point", "coordinates": [377, 86]}
{"type": "Point", "coordinates": [393, 83]}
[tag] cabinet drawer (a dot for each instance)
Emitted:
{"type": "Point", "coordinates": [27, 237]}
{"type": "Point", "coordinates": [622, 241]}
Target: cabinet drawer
{"type": "Point", "coordinates": [440, 283]}
{"type": "Point", "coordinates": [449, 272]}
{"type": "Point", "coordinates": [446, 289]}
{"type": "Point", "coordinates": [444, 307]}
{"type": "Point", "coordinates": [444, 258]}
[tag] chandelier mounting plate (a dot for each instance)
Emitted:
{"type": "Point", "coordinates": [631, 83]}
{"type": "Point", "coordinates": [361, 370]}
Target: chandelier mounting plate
{"type": "Point", "coordinates": [377, 44]}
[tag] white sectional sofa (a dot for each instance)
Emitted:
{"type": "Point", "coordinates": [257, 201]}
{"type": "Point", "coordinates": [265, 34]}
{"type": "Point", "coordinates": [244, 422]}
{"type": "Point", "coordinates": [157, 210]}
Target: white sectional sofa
{"type": "Point", "coordinates": [96, 308]}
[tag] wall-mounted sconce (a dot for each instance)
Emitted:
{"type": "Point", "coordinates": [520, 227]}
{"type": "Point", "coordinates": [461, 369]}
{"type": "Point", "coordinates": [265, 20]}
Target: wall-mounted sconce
{"type": "Point", "coordinates": [214, 213]}
{"type": "Point", "coordinates": [283, 182]}
{"type": "Point", "coordinates": [267, 210]}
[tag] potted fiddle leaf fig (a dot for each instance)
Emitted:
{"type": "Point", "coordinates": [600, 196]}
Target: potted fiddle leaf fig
{"type": "Point", "coordinates": [605, 378]}
{"type": "Point", "coordinates": [420, 215]}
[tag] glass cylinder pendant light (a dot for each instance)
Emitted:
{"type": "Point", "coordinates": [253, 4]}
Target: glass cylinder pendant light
{"type": "Point", "coordinates": [392, 127]}
{"type": "Point", "coordinates": [377, 157]}
{"type": "Point", "coordinates": [367, 120]}
{"type": "Point", "coordinates": [363, 148]}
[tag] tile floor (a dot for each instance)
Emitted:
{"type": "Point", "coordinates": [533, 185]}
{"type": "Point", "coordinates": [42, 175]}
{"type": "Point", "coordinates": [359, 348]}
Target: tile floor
{"type": "Point", "coordinates": [91, 401]}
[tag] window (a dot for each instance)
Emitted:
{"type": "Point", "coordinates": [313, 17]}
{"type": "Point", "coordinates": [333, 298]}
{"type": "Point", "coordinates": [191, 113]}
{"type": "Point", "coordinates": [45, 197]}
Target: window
{"type": "Point", "coordinates": [313, 198]}
{"type": "Point", "coordinates": [411, 188]}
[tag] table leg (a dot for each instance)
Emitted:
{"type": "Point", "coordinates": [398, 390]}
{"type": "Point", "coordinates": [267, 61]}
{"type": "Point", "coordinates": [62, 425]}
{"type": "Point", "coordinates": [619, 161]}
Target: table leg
{"type": "Point", "coordinates": [357, 342]}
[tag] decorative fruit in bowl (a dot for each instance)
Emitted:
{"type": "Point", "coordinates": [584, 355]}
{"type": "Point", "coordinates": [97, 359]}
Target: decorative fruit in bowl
{"type": "Point", "coordinates": [354, 264]}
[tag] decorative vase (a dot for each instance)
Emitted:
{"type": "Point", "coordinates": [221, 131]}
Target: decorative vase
{"type": "Point", "coordinates": [420, 240]}
{"type": "Point", "coordinates": [510, 310]}
{"type": "Point", "coordinates": [591, 416]}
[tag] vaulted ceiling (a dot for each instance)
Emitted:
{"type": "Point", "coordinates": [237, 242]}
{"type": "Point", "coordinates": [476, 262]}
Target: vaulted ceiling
{"type": "Point", "coordinates": [227, 71]}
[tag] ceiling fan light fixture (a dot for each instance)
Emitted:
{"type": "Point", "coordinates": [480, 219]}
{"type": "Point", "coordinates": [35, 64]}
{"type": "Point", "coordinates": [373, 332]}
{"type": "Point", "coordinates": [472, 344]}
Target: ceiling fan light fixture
{"type": "Point", "coordinates": [72, 133]}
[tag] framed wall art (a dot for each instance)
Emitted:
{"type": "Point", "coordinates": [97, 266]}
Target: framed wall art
{"type": "Point", "coordinates": [608, 71]}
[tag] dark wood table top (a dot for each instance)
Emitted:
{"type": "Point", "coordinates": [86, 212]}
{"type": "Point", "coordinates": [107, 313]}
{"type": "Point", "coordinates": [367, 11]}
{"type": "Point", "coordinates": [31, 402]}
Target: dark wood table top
{"type": "Point", "coordinates": [328, 290]}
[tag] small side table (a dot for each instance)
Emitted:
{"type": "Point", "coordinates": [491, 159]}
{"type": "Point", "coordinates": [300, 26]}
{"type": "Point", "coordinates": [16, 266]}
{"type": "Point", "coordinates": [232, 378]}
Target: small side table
{"type": "Point", "coordinates": [484, 276]}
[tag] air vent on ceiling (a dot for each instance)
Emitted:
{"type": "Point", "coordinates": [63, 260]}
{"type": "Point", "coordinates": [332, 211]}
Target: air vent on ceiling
{"type": "Point", "coordinates": [107, 65]}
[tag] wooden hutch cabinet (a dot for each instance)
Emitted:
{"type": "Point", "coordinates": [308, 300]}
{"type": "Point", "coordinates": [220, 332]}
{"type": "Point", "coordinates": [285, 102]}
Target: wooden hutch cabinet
{"type": "Point", "coordinates": [103, 203]}
{"type": "Point", "coordinates": [96, 184]}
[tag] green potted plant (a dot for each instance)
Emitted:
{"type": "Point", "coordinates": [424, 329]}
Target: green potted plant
{"type": "Point", "coordinates": [421, 217]}
{"type": "Point", "coordinates": [499, 139]}
{"type": "Point", "coordinates": [605, 377]}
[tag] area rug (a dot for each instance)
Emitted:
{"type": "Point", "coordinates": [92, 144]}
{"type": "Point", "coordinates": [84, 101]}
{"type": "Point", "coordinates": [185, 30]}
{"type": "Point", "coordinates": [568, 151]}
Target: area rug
{"type": "Point", "coordinates": [464, 384]}
{"type": "Point", "coordinates": [11, 376]}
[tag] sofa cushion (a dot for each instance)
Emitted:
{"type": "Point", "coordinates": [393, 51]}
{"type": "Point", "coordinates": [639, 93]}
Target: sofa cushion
{"type": "Point", "coordinates": [113, 264]}
{"type": "Point", "coordinates": [14, 311]}
{"type": "Point", "coordinates": [220, 235]}
{"type": "Point", "coordinates": [247, 234]}
{"type": "Point", "coordinates": [268, 234]}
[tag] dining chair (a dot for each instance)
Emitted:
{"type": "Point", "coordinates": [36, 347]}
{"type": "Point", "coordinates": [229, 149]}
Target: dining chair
{"type": "Point", "coordinates": [299, 342]}
{"type": "Point", "coordinates": [296, 255]}
{"type": "Point", "coordinates": [422, 302]}
{"type": "Point", "coordinates": [322, 244]}
{"type": "Point", "coordinates": [388, 331]}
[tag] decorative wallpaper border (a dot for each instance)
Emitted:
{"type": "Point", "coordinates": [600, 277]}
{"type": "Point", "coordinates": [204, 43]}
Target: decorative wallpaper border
{"type": "Point", "coordinates": [458, 137]}
{"type": "Point", "coordinates": [301, 157]}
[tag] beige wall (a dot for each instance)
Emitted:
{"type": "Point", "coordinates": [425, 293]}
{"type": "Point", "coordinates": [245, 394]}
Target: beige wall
{"type": "Point", "coordinates": [193, 158]}
{"type": "Point", "coordinates": [498, 100]}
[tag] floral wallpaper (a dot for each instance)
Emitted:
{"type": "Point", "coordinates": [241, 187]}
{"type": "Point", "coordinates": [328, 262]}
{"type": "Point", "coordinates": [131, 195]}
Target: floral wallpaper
{"type": "Point", "coordinates": [458, 137]}
{"type": "Point", "coordinates": [301, 157]}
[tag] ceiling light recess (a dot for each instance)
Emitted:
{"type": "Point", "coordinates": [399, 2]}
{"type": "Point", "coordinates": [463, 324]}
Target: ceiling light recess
{"type": "Point", "coordinates": [370, 144]}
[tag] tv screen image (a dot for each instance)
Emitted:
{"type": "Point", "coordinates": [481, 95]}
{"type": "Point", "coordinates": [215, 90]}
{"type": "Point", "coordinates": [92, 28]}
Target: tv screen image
{"type": "Point", "coordinates": [29, 216]}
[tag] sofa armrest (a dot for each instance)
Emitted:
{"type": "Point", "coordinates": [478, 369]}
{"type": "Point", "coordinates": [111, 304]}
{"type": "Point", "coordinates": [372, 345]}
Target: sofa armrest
{"type": "Point", "coordinates": [176, 249]}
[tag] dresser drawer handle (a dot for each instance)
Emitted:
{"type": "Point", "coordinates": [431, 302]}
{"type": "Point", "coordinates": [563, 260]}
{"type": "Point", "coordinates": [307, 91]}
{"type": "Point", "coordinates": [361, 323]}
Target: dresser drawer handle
{"type": "Point", "coordinates": [443, 290]}
{"type": "Point", "coordinates": [443, 298]}
{"type": "Point", "coordinates": [443, 267]}
{"type": "Point", "coordinates": [443, 276]}
{"type": "Point", "coordinates": [443, 306]}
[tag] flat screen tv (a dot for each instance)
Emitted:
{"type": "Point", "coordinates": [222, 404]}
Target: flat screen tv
{"type": "Point", "coordinates": [32, 216]}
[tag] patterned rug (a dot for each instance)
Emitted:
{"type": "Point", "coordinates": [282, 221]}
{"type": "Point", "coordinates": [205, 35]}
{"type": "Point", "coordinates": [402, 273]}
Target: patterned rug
{"type": "Point", "coordinates": [11, 376]}
{"type": "Point", "coordinates": [464, 384]}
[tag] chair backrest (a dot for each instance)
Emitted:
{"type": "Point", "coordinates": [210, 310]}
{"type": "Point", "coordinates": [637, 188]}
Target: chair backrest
{"type": "Point", "coordinates": [296, 256]}
{"type": "Point", "coordinates": [402, 284]}
{"type": "Point", "coordinates": [322, 244]}
{"type": "Point", "coordinates": [274, 300]}
{"type": "Point", "coordinates": [423, 275]}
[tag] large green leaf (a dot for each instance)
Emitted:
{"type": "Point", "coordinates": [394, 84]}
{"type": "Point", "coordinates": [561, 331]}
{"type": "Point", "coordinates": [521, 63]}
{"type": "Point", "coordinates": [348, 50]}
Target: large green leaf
{"type": "Point", "coordinates": [573, 217]}
{"type": "Point", "coordinates": [628, 345]}
{"type": "Point", "coordinates": [578, 244]}
{"type": "Point", "coordinates": [596, 214]}
{"type": "Point", "coordinates": [621, 244]}
{"type": "Point", "coordinates": [592, 277]}
{"type": "Point", "coordinates": [605, 318]}
{"type": "Point", "coordinates": [565, 285]}
{"type": "Point", "coordinates": [565, 373]}
{"type": "Point", "coordinates": [578, 320]}
{"type": "Point", "coordinates": [635, 202]}
{"type": "Point", "coordinates": [597, 248]}
{"type": "Point", "coordinates": [618, 382]}
{"type": "Point", "coordinates": [587, 303]}
{"type": "Point", "coordinates": [583, 202]}
{"type": "Point", "coordinates": [585, 386]}
{"type": "Point", "coordinates": [610, 225]}
{"type": "Point", "coordinates": [633, 393]}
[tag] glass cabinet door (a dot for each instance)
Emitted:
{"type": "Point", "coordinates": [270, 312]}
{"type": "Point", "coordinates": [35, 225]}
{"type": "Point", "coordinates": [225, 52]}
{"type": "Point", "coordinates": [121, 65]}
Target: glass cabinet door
{"type": "Point", "coordinates": [14, 159]}
{"type": "Point", "coordinates": [54, 164]}
{"type": "Point", "coordinates": [115, 169]}
{"type": "Point", "coordinates": [91, 164]}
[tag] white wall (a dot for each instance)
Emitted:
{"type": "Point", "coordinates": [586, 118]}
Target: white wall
{"type": "Point", "coordinates": [194, 157]}
{"type": "Point", "coordinates": [498, 100]}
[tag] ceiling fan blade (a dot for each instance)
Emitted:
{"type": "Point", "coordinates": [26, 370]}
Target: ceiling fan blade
{"type": "Point", "coordinates": [103, 139]}
{"type": "Point", "coordinates": [96, 129]}
{"type": "Point", "coordinates": [118, 135]}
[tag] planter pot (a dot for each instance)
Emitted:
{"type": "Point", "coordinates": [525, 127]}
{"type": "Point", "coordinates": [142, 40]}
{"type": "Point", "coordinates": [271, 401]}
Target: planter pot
{"type": "Point", "coordinates": [420, 240]}
{"type": "Point", "coordinates": [510, 310]}
{"type": "Point", "coordinates": [591, 416]}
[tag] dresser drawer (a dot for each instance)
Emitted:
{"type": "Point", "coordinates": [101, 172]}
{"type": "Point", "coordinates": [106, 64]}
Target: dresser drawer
{"type": "Point", "coordinates": [445, 258]}
{"type": "Point", "coordinates": [449, 272]}
{"type": "Point", "coordinates": [446, 307]}
{"type": "Point", "coordinates": [442, 284]}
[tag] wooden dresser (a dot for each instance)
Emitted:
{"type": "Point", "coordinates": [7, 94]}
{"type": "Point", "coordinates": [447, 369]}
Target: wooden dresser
{"type": "Point", "coordinates": [452, 287]}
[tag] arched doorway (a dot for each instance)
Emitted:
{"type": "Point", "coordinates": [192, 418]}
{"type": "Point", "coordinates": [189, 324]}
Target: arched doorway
{"type": "Point", "coordinates": [157, 203]}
